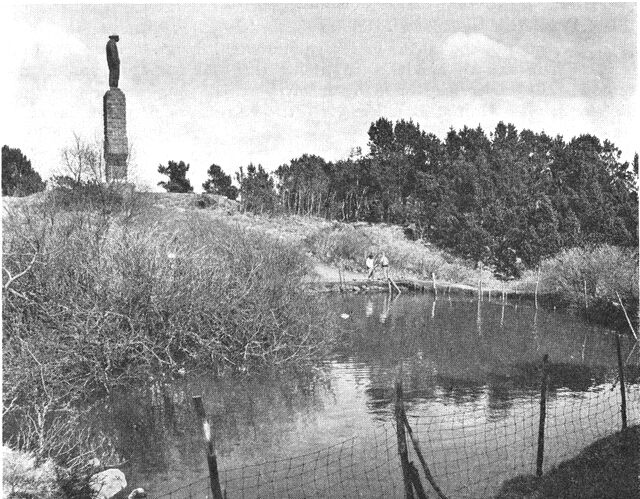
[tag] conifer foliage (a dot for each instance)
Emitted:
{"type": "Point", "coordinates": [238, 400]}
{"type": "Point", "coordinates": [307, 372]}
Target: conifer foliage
{"type": "Point", "coordinates": [508, 198]}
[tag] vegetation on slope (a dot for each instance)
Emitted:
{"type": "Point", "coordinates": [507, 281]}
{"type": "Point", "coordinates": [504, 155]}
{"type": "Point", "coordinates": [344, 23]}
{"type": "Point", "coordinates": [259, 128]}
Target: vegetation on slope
{"type": "Point", "coordinates": [509, 200]}
{"type": "Point", "coordinates": [99, 290]}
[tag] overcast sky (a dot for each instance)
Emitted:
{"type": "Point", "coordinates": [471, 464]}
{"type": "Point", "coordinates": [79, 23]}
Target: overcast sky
{"type": "Point", "coordinates": [233, 84]}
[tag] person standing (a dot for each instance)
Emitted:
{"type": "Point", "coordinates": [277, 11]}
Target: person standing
{"type": "Point", "coordinates": [370, 266]}
{"type": "Point", "coordinates": [113, 60]}
{"type": "Point", "coordinates": [384, 263]}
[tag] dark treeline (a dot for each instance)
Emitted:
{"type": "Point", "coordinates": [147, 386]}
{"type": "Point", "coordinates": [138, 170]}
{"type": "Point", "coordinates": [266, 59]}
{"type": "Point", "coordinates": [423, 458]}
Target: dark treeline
{"type": "Point", "coordinates": [504, 199]}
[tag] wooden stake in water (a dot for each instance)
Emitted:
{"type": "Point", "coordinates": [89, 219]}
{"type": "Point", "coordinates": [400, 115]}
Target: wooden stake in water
{"type": "Point", "coordinates": [423, 462]}
{"type": "Point", "coordinates": [623, 404]}
{"type": "Point", "coordinates": [402, 442]}
{"type": "Point", "coordinates": [537, 284]}
{"type": "Point", "coordinates": [586, 303]}
{"type": "Point", "coordinates": [212, 461]}
{"type": "Point", "coordinates": [433, 284]}
{"type": "Point", "coordinates": [417, 484]}
{"type": "Point", "coordinates": [543, 413]}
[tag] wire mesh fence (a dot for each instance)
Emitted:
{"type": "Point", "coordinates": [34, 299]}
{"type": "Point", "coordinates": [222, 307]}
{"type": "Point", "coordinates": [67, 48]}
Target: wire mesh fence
{"type": "Point", "coordinates": [470, 449]}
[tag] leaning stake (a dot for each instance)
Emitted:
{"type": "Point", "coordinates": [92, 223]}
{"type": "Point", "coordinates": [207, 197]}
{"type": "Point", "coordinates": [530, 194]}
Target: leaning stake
{"type": "Point", "coordinates": [633, 331]}
{"type": "Point", "coordinates": [402, 443]}
{"type": "Point", "coordinates": [425, 467]}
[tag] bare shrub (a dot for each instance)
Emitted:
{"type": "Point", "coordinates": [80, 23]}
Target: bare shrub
{"type": "Point", "coordinates": [603, 270]}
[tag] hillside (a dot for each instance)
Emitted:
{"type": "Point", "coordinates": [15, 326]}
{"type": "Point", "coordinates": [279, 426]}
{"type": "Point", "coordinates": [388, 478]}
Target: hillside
{"type": "Point", "coordinates": [336, 250]}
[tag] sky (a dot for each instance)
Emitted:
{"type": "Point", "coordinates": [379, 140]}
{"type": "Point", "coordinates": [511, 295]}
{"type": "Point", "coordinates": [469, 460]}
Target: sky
{"type": "Point", "coordinates": [264, 83]}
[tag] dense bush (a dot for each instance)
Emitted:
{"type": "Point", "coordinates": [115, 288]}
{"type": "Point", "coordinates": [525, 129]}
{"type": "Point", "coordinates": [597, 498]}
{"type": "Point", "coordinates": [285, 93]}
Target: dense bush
{"type": "Point", "coordinates": [600, 271]}
{"type": "Point", "coordinates": [18, 176]}
{"type": "Point", "coordinates": [91, 299]}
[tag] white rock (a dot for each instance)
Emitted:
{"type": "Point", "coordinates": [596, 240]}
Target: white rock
{"type": "Point", "coordinates": [137, 493]}
{"type": "Point", "coordinates": [107, 483]}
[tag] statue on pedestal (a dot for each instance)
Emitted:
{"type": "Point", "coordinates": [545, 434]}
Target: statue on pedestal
{"type": "Point", "coordinates": [116, 145]}
{"type": "Point", "coordinates": [113, 60]}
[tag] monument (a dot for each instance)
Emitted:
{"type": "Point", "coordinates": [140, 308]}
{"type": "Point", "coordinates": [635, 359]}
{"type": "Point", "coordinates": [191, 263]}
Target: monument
{"type": "Point", "coordinates": [116, 146]}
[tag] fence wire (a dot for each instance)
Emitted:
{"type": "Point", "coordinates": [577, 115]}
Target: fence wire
{"type": "Point", "coordinates": [469, 450]}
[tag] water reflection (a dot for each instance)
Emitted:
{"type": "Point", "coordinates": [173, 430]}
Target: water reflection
{"type": "Point", "coordinates": [479, 318]}
{"type": "Point", "coordinates": [387, 305]}
{"type": "Point", "coordinates": [368, 310]}
{"type": "Point", "coordinates": [480, 356]}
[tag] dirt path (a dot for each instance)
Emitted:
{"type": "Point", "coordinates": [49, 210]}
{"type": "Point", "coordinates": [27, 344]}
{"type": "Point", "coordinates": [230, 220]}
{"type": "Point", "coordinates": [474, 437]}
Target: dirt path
{"type": "Point", "coordinates": [326, 273]}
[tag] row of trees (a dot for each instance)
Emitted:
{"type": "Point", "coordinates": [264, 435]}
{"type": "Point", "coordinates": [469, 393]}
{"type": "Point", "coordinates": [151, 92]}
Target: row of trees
{"type": "Point", "coordinates": [500, 198]}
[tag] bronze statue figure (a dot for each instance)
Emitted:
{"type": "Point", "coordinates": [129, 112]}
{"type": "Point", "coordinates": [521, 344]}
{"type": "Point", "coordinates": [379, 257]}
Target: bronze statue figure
{"type": "Point", "coordinates": [113, 60]}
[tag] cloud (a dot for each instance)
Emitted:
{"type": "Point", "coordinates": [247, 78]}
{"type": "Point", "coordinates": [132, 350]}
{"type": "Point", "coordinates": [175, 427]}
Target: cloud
{"type": "Point", "coordinates": [478, 50]}
{"type": "Point", "coordinates": [42, 44]}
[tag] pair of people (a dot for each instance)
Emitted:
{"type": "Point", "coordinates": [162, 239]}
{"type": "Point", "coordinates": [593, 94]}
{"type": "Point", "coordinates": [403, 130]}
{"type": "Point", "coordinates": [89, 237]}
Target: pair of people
{"type": "Point", "coordinates": [383, 261]}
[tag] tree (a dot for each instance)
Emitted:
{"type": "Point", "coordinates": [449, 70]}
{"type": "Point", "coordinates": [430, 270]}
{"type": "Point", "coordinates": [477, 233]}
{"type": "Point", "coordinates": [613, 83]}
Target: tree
{"type": "Point", "coordinates": [304, 185]}
{"type": "Point", "coordinates": [82, 161]}
{"type": "Point", "coordinates": [219, 183]}
{"type": "Point", "coordinates": [18, 177]}
{"type": "Point", "coordinates": [177, 173]}
{"type": "Point", "coordinates": [257, 189]}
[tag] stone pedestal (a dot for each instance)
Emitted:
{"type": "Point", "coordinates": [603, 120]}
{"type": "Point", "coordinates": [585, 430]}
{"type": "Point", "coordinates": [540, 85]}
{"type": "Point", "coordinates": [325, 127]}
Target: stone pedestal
{"type": "Point", "coordinates": [116, 146]}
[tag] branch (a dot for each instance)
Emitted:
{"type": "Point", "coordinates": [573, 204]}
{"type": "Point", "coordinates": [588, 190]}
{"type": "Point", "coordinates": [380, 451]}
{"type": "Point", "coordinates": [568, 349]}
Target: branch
{"type": "Point", "coordinates": [20, 274]}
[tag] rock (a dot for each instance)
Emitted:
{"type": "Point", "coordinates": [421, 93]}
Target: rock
{"type": "Point", "coordinates": [22, 478]}
{"type": "Point", "coordinates": [107, 483]}
{"type": "Point", "coordinates": [138, 493]}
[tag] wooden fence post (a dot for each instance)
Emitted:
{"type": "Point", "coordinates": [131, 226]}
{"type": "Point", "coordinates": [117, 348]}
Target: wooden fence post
{"type": "Point", "coordinates": [543, 413]}
{"type": "Point", "coordinates": [623, 405]}
{"type": "Point", "coordinates": [535, 297]}
{"type": "Point", "coordinates": [423, 462]}
{"type": "Point", "coordinates": [586, 301]}
{"type": "Point", "coordinates": [212, 461]}
{"type": "Point", "coordinates": [402, 442]}
{"type": "Point", "coordinates": [417, 484]}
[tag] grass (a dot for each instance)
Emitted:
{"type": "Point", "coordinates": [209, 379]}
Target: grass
{"type": "Point", "coordinates": [607, 469]}
{"type": "Point", "coordinates": [347, 245]}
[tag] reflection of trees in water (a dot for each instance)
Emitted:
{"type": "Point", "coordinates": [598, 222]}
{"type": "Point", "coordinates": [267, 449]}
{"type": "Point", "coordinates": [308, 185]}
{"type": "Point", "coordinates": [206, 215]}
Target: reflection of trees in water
{"type": "Point", "coordinates": [155, 427]}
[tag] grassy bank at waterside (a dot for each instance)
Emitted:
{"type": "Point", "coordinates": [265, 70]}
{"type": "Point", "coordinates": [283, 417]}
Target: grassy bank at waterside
{"type": "Point", "coordinates": [608, 468]}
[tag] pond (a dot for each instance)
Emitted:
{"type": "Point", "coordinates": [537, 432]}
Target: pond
{"type": "Point", "coordinates": [471, 377]}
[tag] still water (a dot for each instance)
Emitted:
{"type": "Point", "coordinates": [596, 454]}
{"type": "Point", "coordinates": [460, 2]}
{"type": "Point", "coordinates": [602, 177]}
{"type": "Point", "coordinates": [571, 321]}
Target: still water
{"type": "Point", "coordinates": [471, 380]}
